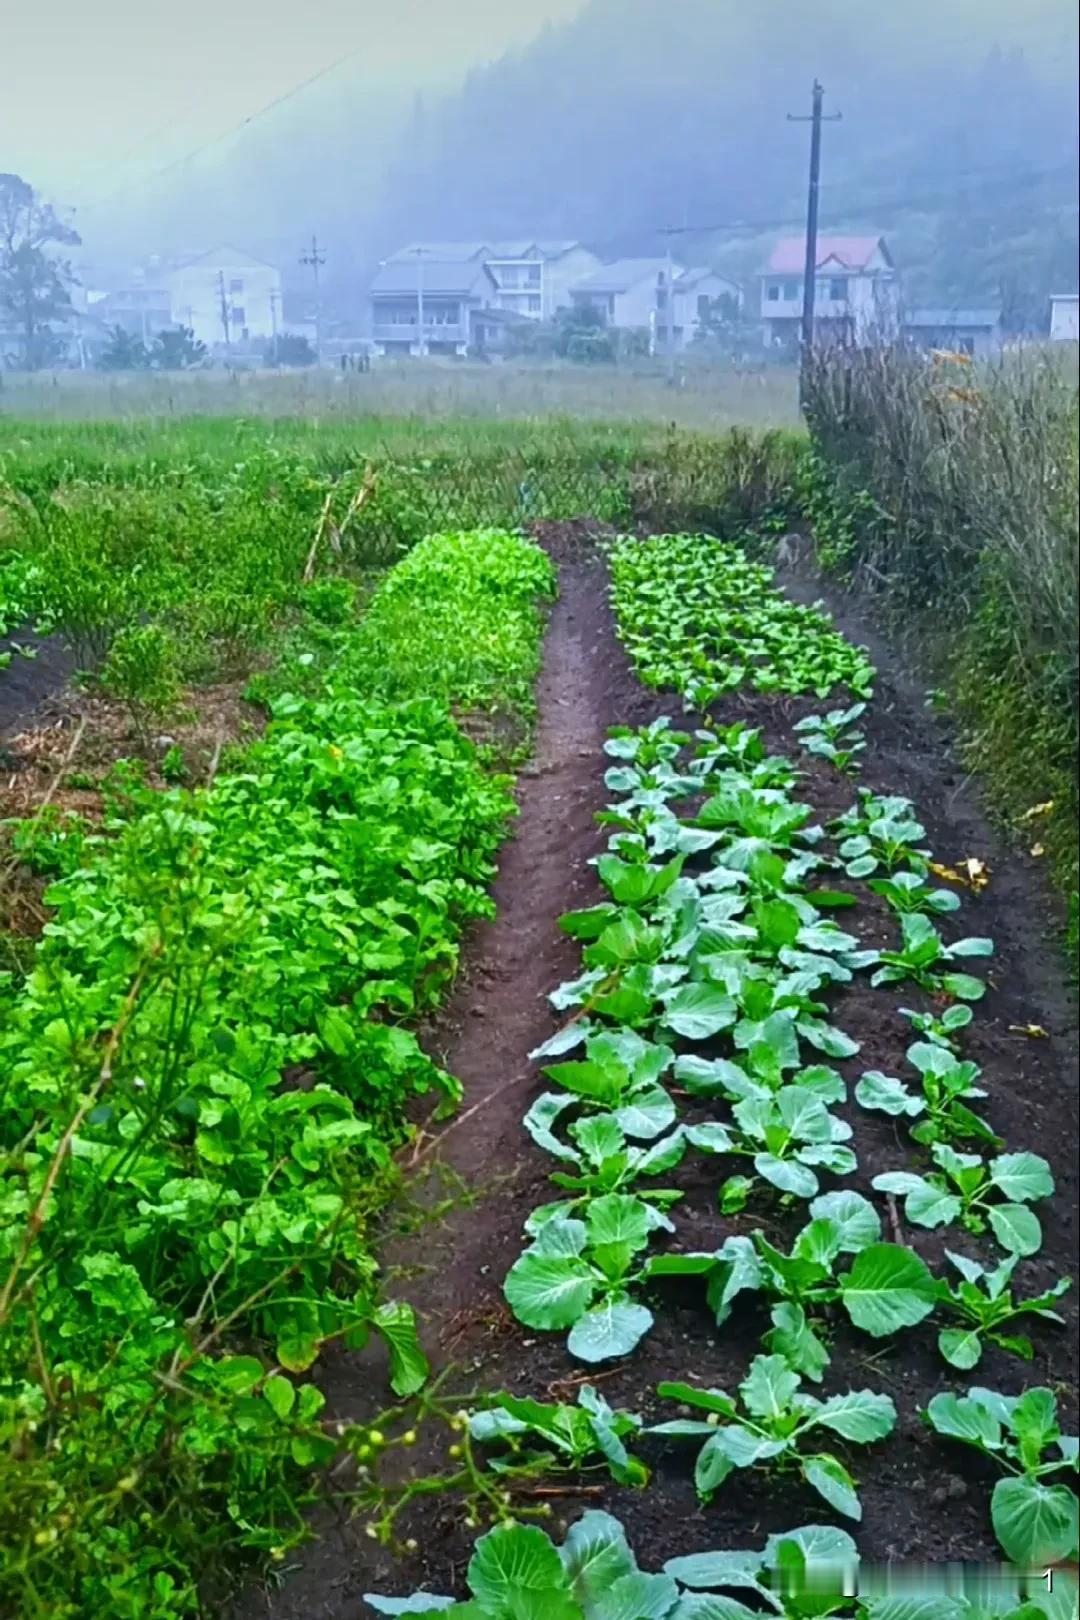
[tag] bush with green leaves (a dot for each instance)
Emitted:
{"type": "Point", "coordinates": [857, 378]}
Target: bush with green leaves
{"type": "Point", "coordinates": [1035, 1522]}
{"type": "Point", "coordinates": [141, 671]}
{"type": "Point", "coordinates": [772, 1424]}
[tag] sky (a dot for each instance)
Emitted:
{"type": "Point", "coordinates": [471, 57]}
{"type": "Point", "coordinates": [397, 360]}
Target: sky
{"type": "Point", "coordinates": [100, 92]}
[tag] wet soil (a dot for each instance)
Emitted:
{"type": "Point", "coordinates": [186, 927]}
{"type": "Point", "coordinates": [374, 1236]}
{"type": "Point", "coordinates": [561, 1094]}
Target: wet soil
{"type": "Point", "coordinates": [27, 682]}
{"type": "Point", "coordinates": [922, 1499]}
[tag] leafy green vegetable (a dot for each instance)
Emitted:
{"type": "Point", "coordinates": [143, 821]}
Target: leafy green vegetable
{"type": "Point", "coordinates": [940, 1110]}
{"type": "Point", "coordinates": [984, 1302]}
{"type": "Point", "coordinates": [768, 1425]}
{"type": "Point", "coordinates": [975, 1193]}
{"type": "Point", "coordinates": [696, 615]}
{"type": "Point", "coordinates": [1037, 1524]}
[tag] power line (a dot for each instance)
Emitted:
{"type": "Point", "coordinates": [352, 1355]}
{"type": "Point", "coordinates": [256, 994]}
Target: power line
{"type": "Point", "coordinates": [215, 140]}
{"type": "Point", "coordinates": [866, 204]}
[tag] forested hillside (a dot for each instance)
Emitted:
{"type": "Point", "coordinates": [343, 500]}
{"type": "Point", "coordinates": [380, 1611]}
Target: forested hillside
{"type": "Point", "coordinates": [958, 137]}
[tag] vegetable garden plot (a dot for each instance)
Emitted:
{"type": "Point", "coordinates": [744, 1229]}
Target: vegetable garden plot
{"type": "Point", "coordinates": [204, 1075]}
{"type": "Point", "coordinates": [715, 1137]}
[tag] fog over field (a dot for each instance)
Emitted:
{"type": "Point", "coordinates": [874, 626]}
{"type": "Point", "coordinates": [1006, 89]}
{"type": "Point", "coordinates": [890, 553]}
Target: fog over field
{"type": "Point", "coordinates": [169, 130]}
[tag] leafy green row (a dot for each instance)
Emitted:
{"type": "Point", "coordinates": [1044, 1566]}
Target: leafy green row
{"type": "Point", "coordinates": [881, 836]}
{"type": "Point", "coordinates": [517, 1573]}
{"type": "Point", "coordinates": [581, 1268]}
{"type": "Point", "coordinates": [473, 598]}
{"type": "Point", "coordinates": [694, 958]}
{"type": "Point", "coordinates": [201, 1080]}
{"type": "Point", "coordinates": [697, 615]}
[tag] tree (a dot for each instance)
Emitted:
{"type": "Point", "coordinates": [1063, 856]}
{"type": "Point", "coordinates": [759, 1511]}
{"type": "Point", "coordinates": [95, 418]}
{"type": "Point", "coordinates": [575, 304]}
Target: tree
{"type": "Point", "coordinates": [290, 349]}
{"type": "Point", "coordinates": [582, 335]}
{"type": "Point", "coordinates": [34, 282]}
{"type": "Point", "coordinates": [123, 352]}
{"type": "Point", "coordinates": [177, 349]}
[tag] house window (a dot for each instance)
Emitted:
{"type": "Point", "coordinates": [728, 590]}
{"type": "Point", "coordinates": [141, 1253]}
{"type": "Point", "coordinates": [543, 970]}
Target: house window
{"type": "Point", "coordinates": [534, 303]}
{"type": "Point", "coordinates": [703, 306]}
{"type": "Point", "coordinates": [237, 317]}
{"type": "Point", "coordinates": [791, 290]}
{"type": "Point", "coordinates": [534, 275]}
{"type": "Point", "coordinates": [838, 290]}
{"type": "Point", "coordinates": [236, 285]}
{"type": "Point", "coordinates": [772, 292]}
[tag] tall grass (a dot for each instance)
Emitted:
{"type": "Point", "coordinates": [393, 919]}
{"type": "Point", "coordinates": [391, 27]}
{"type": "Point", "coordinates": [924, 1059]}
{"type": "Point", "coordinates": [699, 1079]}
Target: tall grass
{"type": "Point", "coordinates": [705, 395]}
{"type": "Point", "coordinates": [949, 492]}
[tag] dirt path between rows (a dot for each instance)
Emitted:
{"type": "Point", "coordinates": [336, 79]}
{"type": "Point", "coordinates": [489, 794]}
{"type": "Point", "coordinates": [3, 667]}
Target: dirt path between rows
{"type": "Point", "coordinates": [452, 1270]}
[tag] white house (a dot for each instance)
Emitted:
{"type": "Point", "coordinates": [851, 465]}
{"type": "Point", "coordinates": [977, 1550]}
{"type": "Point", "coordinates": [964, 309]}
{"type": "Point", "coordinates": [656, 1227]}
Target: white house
{"type": "Point", "coordinates": [531, 278]}
{"type": "Point", "coordinates": [226, 296]}
{"type": "Point", "coordinates": [428, 306]}
{"type": "Point", "coordinates": [856, 290]}
{"type": "Point", "coordinates": [696, 293]}
{"type": "Point", "coordinates": [1065, 317]}
{"type": "Point", "coordinates": [631, 293]}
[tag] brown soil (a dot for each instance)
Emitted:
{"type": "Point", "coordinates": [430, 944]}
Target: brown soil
{"type": "Point", "coordinates": [922, 1499]}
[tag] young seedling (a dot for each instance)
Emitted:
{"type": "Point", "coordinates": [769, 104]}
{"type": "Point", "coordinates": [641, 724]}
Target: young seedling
{"type": "Point", "coordinates": [1035, 1523]}
{"type": "Point", "coordinates": [983, 1300]}
{"type": "Point", "coordinates": [910, 892]}
{"type": "Point", "coordinates": [770, 1424]}
{"type": "Point", "coordinates": [577, 1274]}
{"type": "Point", "coordinates": [787, 1136]}
{"type": "Point", "coordinates": [939, 1110]}
{"type": "Point", "coordinates": [887, 1288]}
{"type": "Point", "coordinates": [604, 1161]}
{"type": "Point", "coordinates": [834, 736]}
{"type": "Point", "coordinates": [534, 1436]}
{"type": "Point", "coordinates": [924, 958]}
{"type": "Point", "coordinates": [620, 1072]}
{"type": "Point", "coordinates": [881, 833]}
{"type": "Point", "coordinates": [941, 1031]}
{"type": "Point", "coordinates": [968, 1190]}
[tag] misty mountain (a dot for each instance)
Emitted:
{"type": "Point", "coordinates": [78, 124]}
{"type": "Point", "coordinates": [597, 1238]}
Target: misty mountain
{"type": "Point", "coordinates": [958, 137]}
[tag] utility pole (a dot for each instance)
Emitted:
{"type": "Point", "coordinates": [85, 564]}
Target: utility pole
{"type": "Point", "coordinates": [815, 121]}
{"type": "Point", "coordinates": [669, 274]}
{"type": "Point", "coordinates": [667, 232]}
{"type": "Point", "coordinates": [314, 260]}
{"type": "Point", "coordinates": [421, 342]}
{"type": "Point", "coordinates": [223, 306]}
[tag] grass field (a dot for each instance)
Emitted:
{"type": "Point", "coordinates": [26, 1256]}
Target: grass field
{"type": "Point", "coordinates": [712, 398]}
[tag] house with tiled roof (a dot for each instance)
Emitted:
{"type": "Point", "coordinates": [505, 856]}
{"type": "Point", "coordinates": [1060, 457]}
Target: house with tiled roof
{"type": "Point", "coordinates": [856, 291]}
